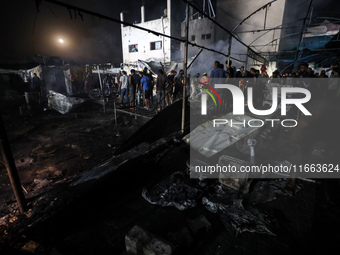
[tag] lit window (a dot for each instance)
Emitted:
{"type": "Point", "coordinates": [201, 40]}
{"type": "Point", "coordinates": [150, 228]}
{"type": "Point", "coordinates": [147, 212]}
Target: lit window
{"type": "Point", "coordinates": [206, 36]}
{"type": "Point", "coordinates": [133, 48]}
{"type": "Point", "coordinates": [156, 45]}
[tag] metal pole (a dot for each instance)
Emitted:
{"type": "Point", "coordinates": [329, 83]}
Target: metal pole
{"type": "Point", "coordinates": [229, 50]}
{"type": "Point", "coordinates": [265, 18]}
{"type": "Point", "coordinates": [135, 109]}
{"type": "Point", "coordinates": [11, 168]}
{"type": "Point", "coordinates": [115, 112]}
{"type": "Point", "coordinates": [101, 88]}
{"type": "Point", "coordinates": [185, 63]}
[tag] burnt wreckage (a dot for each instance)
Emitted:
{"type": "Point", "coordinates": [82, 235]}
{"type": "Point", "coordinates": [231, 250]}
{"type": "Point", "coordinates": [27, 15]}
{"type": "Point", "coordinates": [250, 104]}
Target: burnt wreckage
{"type": "Point", "coordinates": [161, 191]}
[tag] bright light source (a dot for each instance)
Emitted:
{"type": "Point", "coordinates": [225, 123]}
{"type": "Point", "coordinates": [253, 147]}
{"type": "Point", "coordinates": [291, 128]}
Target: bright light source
{"type": "Point", "coordinates": [61, 40]}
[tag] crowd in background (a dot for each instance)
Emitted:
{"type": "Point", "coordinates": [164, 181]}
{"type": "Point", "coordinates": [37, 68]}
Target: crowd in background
{"type": "Point", "coordinates": [147, 89]}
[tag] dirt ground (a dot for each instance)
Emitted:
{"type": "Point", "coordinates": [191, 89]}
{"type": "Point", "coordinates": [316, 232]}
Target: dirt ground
{"type": "Point", "coordinates": [50, 148]}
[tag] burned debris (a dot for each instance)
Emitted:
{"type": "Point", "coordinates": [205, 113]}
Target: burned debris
{"type": "Point", "coordinates": [167, 154]}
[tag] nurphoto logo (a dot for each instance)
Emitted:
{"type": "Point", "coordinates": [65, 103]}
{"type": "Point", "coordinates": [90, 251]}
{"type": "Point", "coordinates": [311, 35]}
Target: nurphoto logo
{"type": "Point", "coordinates": [238, 100]}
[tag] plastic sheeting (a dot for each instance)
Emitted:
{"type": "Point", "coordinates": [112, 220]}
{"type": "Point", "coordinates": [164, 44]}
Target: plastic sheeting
{"type": "Point", "coordinates": [62, 103]}
{"type": "Point", "coordinates": [235, 217]}
{"type": "Point", "coordinates": [225, 202]}
{"type": "Point", "coordinates": [266, 191]}
{"type": "Point", "coordinates": [172, 191]}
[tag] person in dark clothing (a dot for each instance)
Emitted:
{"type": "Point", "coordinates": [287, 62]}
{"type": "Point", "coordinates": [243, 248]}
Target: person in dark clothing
{"type": "Point", "coordinates": [229, 69]}
{"type": "Point", "coordinates": [169, 88]}
{"type": "Point", "coordinates": [134, 80]}
{"type": "Point", "coordinates": [217, 72]}
{"type": "Point", "coordinates": [217, 76]}
{"type": "Point", "coordinates": [241, 72]}
{"type": "Point", "coordinates": [36, 83]}
{"type": "Point", "coordinates": [179, 82]}
{"type": "Point", "coordinates": [160, 88]}
{"type": "Point", "coordinates": [152, 82]}
{"type": "Point", "coordinates": [139, 89]}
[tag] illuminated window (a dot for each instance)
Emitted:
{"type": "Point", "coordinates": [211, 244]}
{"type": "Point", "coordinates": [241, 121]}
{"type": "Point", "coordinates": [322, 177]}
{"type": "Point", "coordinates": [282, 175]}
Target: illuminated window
{"type": "Point", "coordinates": [156, 45]}
{"type": "Point", "coordinates": [206, 36]}
{"type": "Point", "coordinates": [133, 48]}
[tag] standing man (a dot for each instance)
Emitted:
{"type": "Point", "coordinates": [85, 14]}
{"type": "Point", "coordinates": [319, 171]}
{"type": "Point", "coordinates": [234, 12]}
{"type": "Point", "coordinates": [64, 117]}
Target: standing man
{"type": "Point", "coordinates": [123, 86]}
{"type": "Point", "coordinates": [217, 72]}
{"type": "Point", "coordinates": [229, 69]}
{"type": "Point", "coordinates": [116, 82]}
{"type": "Point", "coordinates": [160, 88]}
{"type": "Point", "coordinates": [36, 84]}
{"type": "Point", "coordinates": [179, 83]}
{"type": "Point", "coordinates": [140, 89]}
{"type": "Point", "coordinates": [216, 77]}
{"type": "Point", "coordinates": [169, 88]}
{"type": "Point", "coordinates": [152, 84]}
{"type": "Point", "coordinates": [134, 82]}
{"type": "Point", "coordinates": [146, 83]}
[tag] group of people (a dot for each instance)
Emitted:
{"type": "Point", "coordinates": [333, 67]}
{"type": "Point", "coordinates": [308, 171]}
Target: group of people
{"type": "Point", "coordinates": [244, 78]}
{"type": "Point", "coordinates": [137, 87]}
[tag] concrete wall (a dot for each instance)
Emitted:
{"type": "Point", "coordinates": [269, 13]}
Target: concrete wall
{"type": "Point", "coordinates": [200, 29]}
{"type": "Point", "coordinates": [168, 24]}
{"type": "Point", "coordinates": [143, 40]}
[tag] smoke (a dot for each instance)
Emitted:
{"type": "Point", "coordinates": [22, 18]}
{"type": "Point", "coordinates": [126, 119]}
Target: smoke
{"type": "Point", "coordinates": [100, 45]}
{"type": "Point", "coordinates": [205, 61]}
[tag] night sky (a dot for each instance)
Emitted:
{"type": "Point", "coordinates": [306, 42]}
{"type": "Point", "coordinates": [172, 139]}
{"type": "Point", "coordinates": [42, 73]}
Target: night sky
{"type": "Point", "coordinates": [26, 32]}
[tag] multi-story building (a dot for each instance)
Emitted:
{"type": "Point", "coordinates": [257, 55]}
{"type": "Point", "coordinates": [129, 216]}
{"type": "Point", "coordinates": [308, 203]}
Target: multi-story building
{"type": "Point", "coordinates": [140, 46]}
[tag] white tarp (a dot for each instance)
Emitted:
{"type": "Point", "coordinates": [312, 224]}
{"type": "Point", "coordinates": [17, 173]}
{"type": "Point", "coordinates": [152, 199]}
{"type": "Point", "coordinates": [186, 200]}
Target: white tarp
{"type": "Point", "coordinates": [209, 140]}
{"type": "Point", "coordinates": [62, 103]}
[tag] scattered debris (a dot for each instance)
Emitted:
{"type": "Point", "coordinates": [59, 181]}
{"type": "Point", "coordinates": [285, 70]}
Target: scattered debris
{"type": "Point", "coordinates": [238, 219]}
{"type": "Point", "coordinates": [200, 224]}
{"type": "Point", "coordinates": [266, 191]}
{"type": "Point", "coordinates": [172, 191]}
{"type": "Point", "coordinates": [139, 241]}
{"type": "Point", "coordinates": [181, 238]}
{"type": "Point", "coordinates": [62, 103]}
{"type": "Point", "coordinates": [236, 180]}
{"type": "Point", "coordinates": [24, 189]}
{"type": "Point", "coordinates": [23, 162]}
{"type": "Point", "coordinates": [42, 151]}
{"type": "Point", "coordinates": [41, 183]}
{"type": "Point", "coordinates": [88, 155]}
{"type": "Point", "coordinates": [30, 246]}
{"type": "Point", "coordinates": [115, 162]}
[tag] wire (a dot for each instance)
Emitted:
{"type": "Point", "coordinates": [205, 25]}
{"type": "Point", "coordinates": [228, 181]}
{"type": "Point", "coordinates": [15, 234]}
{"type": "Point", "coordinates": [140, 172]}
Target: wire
{"type": "Point", "coordinates": [101, 16]}
{"type": "Point", "coordinates": [230, 33]}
